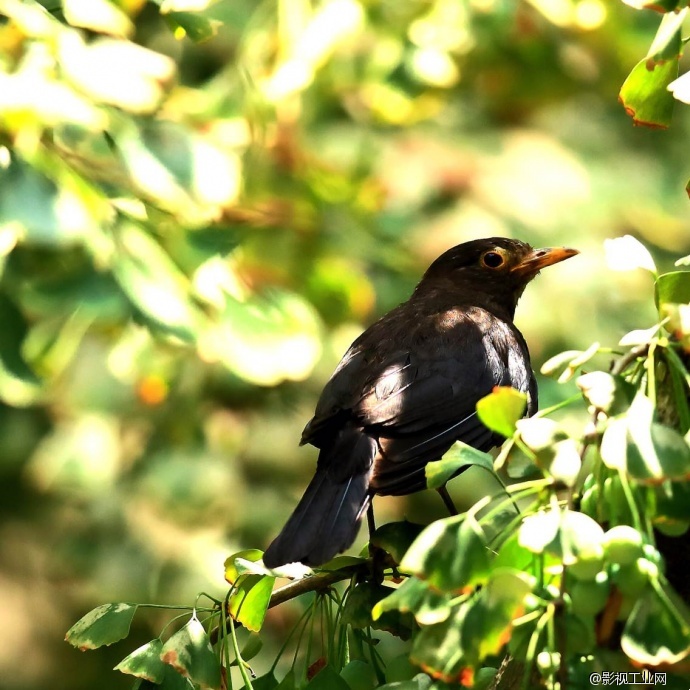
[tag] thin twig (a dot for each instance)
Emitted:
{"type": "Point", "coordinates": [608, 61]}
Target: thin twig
{"type": "Point", "coordinates": [314, 584]}
{"type": "Point", "coordinates": [621, 364]}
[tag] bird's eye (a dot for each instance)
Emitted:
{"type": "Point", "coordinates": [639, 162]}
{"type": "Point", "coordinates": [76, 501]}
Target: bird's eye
{"type": "Point", "coordinates": [493, 260]}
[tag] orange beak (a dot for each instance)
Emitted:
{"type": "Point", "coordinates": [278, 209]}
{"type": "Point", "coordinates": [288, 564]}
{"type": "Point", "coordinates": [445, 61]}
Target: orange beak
{"type": "Point", "coordinates": [541, 258]}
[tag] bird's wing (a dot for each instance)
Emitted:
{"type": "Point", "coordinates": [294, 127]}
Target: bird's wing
{"type": "Point", "coordinates": [417, 397]}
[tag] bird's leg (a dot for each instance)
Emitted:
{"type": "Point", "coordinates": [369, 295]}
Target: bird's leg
{"type": "Point", "coordinates": [371, 523]}
{"type": "Point", "coordinates": [377, 555]}
{"type": "Point", "coordinates": [443, 493]}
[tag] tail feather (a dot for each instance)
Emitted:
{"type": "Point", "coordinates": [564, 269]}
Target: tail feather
{"type": "Point", "coordinates": [326, 520]}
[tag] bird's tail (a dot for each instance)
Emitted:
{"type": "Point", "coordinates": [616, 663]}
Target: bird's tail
{"type": "Point", "coordinates": [326, 520]}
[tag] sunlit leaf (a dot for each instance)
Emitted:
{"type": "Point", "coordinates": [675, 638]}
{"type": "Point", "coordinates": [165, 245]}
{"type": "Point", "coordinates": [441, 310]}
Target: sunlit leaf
{"type": "Point", "coordinates": [559, 362]}
{"type": "Point", "coordinates": [539, 530]}
{"type": "Point", "coordinates": [47, 211]}
{"type": "Point", "coordinates": [566, 463]}
{"type": "Point", "coordinates": [667, 44]}
{"type": "Point", "coordinates": [185, 5]}
{"type": "Point", "coordinates": [249, 600]}
{"type": "Point", "coordinates": [501, 409]}
{"type": "Point", "coordinates": [627, 253]}
{"type": "Point", "coordinates": [266, 339]}
{"type": "Point", "coordinates": [459, 456]}
{"type": "Point", "coordinates": [145, 662]}
{"type": "Point", "coordinates": [416, 597]}
{"type": "Point", "coordinates": [581, 544]}
{"type": "Point", "coordinates": [644, 449]}
{"type": "Point", "coordinates": [451, 554]}
{"type": "Point", "coordinates": [104, 625]}
{"type": "Point", "coordinates": [645, 94]}
{"type": "Point", "coordinates": [97, 15]}
{"type": "Point", "coordinates": [608, 393]}
{"type": "Point", "coordinates": [446, 649]}
{"type": "Point", "coordinates": [638, 336]}
{"type": "Point", "coordinates": [540, 433]}
{"type": "Point", "coordinates": [154, 285]}
{"type": "Point", "coordinates": [658, 629]}
{"type": "Point", "coordinates": [232, 572]}
{"type": "Point", "coordinates": [116, 72]}
{"type": "Point", "coordinates": [673, 287]}
{"type": "Point", "coordinates": [658, 5]}
{"type": "Point", "coordinates": [190, 653]}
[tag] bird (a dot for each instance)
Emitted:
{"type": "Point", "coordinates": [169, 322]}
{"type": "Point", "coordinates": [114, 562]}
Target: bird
{"type": "Point", "coordinates": [406, 390]}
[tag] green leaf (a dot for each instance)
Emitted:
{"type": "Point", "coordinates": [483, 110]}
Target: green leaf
{"type": "Point", "coordinates": [267, 682]}
{"type": "Point", "coordinates": [396, 537]}
{"type": "Point", "coordinates": [342, 562]}
{"type": "Point", "coordinates": [172, 680]}
{"type": "Point", "coordinates": [460, 456]}
{"type": "Point", "coordinates": [416, 597]}
{"type": "Point", "coordinates": [646, 450]}
{"type": "Point", "coordinates": [250, 649]}
{"type": "Point", "coordinates": [95, 295]}
{"type": "Point", "coordinates": [672, 500]}
{"type": "Point", "coordinates": [178, 170]}
{"type": "Point", "coordinates": [104, 625]}
{"type": "Point", "coordinates": [190, 653]}
{"type": "Point", "coordinates": [672, 287]}
{"type": "Point", "coordinates": [267, 338]}
{"type": "Point", "coordinates": [501, 409]}
{"type": "Point", "coordinates": [232, 573]}
{"type": "Point", "coordinates": [645, 94]}
{"type": "Point", "coordinates": [450, 554]}
{"type": "Point", "coordinates": [359, 675]}
{"type": "Point", "coordinates": [145, 662]}
{"type": "Point", "coordinates": [450, 649]}
{"type": "Point", "coordinates": [667, 44]}
{"type": "Point", "coordinates": [249, 600]}
{"type": "Point", "coordinates": [658, 629]}
{"type": "Point", "coordinates": [194, 25]}
{"type": "Point", "coordinates": [359, 605]}
{"type": "Point", "coordinates": [19, 385]}
{"type": "Point", "coordinates": [420, 682]}
{"type": "Point", "coordinates": [327, 679]}
{"type": "Point", "coordinates": [496, 607]}
{"type": "Point", "coordinates": [55, 210]}
{"type": "Point", "coordinates": [400, 668]}
{"type": "Point", "coordinates": [154, 285]}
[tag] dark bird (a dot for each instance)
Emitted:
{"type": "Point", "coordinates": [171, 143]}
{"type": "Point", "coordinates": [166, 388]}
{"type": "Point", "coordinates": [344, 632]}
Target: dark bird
{"type": "Point", "coordinates": [407, 389]}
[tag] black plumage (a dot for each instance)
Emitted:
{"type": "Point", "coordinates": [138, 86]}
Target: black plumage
{"type": "Point", "coordinates": [407, 389]}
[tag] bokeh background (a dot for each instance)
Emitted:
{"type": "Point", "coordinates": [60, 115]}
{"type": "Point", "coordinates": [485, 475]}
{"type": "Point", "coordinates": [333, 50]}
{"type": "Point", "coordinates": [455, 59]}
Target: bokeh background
{"type": "Point", "coordinates": [175, 292]}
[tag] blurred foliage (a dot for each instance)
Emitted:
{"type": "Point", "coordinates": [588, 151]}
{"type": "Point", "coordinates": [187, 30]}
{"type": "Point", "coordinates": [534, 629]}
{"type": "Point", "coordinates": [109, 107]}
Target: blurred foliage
{"type": "Point", "coordinates": [203, 203]}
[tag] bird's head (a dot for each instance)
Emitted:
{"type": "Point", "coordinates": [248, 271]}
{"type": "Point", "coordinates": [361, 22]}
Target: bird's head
{"type": "Point", "coordinates": [489, 273]}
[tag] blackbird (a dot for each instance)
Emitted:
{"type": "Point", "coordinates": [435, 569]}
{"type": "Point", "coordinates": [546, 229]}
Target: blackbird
{"type": "Point", "coordinates": [407, 389]}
